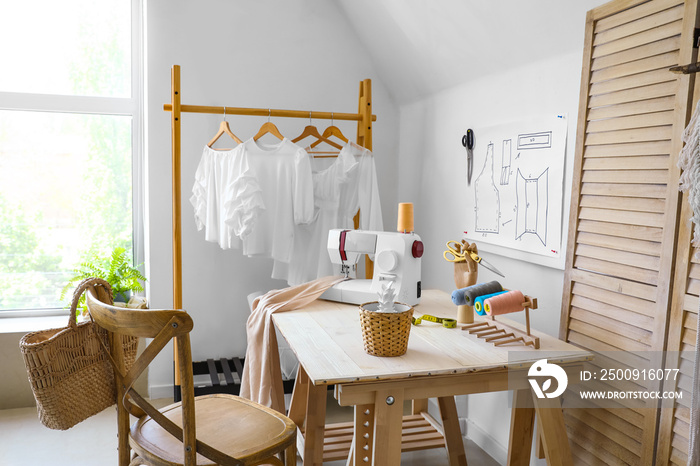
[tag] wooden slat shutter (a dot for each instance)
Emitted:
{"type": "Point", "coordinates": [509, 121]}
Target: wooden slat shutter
{"type": "Point", "coordinates": [674, 424]}
{"type": "Point", "coordinates": [624, 206]}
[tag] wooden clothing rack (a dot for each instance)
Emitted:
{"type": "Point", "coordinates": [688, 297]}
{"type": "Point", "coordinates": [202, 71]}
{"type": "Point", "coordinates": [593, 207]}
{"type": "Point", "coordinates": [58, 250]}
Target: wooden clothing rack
{"type": "Point", "coordinates": [364, 118]}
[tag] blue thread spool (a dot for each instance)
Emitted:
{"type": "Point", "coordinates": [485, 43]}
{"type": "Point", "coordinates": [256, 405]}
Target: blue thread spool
{"type": "Point", "coordinates": [479, 302]}
{"type": "Point", "coordinates": [469, 294]}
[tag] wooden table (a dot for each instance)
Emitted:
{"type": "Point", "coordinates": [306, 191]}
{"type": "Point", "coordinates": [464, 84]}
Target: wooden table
{"type": "Point", "coordinates": [439, 363]}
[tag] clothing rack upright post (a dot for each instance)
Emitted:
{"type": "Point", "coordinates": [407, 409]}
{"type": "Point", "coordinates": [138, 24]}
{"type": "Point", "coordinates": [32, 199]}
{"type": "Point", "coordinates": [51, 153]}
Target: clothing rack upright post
{"type": "Point", "coordinates": [364, 118]}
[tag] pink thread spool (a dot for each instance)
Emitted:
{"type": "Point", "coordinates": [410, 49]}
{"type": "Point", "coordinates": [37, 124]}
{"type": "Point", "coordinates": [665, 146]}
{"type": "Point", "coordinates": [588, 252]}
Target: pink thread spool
{"type": "Point", "coordinates": [505, 303]}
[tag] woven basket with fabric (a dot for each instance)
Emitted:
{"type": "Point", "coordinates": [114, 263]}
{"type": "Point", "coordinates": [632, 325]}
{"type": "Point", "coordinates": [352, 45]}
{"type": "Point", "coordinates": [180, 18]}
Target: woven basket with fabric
{"type": "Point", "coordinates": [385, 333]}
{"type": "Point", "coordinates": [68, 369]}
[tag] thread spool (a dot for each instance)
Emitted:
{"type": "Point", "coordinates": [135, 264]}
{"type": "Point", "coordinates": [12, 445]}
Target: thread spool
{"type": "Point", "coordinates": [479, 302]}
{"type": "Point", "coordinates": [405, 222]}
{"type": "Point", "coordinates": [469, 294]}
{"type": "Point", "coordinates": [505, 303]}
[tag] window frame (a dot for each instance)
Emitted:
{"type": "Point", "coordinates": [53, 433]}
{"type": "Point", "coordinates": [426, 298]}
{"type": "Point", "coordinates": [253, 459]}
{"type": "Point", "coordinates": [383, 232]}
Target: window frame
{"type": "Point", "coordinates": [132, 106]}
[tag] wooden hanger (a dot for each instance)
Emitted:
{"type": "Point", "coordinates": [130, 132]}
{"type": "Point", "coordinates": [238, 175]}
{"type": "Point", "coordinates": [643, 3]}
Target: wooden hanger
{"type": "Point", "coordinates": [311, 130]}
{"type": "Point", "coordinates": [224, 129]}
{"type": "Point", "coordinates": [268, 127]}
{"type": "Point", "coordinates": [332, 130]}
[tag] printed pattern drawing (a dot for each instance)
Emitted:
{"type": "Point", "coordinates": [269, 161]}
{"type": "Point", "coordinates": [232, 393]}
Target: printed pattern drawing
{"type": "Point", "coordinates": [515, 195]}
{"type": "Point", "coordinates": [506, 155]}
{"type": "Point", "coordinates": [486, 197]}
{"type": "Point", "coordinates": [532, 205]}
{"type": "Point", "coordinates": [541, 140]}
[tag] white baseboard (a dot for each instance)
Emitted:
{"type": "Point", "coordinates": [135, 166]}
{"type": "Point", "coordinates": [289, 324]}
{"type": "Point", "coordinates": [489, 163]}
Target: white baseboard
{"type": "Point", "coordinates": [485, 440]}
{"type": "Point", "coordinates": [160, 391]}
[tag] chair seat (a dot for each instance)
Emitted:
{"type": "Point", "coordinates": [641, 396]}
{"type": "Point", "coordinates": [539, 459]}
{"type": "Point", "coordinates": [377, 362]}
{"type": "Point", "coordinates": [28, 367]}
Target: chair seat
{"type": "Point", "coordinates": [233, 425]}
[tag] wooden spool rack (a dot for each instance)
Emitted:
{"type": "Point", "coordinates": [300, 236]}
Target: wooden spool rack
{"type": "Point", "coordinates": [501, 333]}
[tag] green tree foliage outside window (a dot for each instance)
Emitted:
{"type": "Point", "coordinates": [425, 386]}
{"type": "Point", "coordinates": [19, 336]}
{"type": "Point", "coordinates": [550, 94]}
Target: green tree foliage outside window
{"type": "Point", "coordinates": [76, 205]}
{"type": "Point", "coordinates": [26, 270]}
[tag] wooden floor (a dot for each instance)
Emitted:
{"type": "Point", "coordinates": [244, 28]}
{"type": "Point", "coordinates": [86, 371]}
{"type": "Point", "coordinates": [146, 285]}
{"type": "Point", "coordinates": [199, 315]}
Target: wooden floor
{"type": "Point", "coordinates": [26, 442]}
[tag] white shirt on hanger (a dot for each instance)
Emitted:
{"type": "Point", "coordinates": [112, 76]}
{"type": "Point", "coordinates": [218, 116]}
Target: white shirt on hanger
{"type": "Point", "coordinates": [226, 196]}
{"type": "Point", "coordinates": [348, 184]}
{"type": "Point", "coordinates": [283, 172]}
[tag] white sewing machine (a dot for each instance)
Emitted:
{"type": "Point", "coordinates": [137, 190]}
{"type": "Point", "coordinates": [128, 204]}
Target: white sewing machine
{"type": "Point", "coordinates": [397, 258]}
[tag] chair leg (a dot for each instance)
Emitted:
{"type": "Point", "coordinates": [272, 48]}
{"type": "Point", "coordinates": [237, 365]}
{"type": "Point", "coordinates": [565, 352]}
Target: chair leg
{"type": "Point", "coordinates": [124, 449]}
{"type": "Point", "coordinates": [290, 455]}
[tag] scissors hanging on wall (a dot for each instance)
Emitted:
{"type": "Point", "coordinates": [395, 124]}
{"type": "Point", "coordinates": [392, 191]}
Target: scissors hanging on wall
{"type": "Point", "coordinates": [468, 143]}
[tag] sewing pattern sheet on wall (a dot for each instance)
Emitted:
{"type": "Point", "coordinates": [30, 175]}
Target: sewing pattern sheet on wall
{"type": "Point", "coordinates": [515, 198]}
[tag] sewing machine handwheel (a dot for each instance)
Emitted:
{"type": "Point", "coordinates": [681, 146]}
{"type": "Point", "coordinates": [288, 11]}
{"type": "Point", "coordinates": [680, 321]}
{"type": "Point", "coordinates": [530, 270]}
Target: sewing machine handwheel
{"type": "Point", "coordinates": [417, 249]}
{"type": "Point", "coordinates": [387, 260]}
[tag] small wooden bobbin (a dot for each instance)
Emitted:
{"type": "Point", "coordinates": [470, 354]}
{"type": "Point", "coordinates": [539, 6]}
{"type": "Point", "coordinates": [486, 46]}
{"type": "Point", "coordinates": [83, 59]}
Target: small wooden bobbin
{"type": "Point", "coordinates": [465, 314]}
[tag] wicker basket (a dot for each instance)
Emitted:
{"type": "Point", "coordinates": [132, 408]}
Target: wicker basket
{"type": "Point", "coordinates": [70, 374]}
{"type": "Point", "coordinates": [385, 333]}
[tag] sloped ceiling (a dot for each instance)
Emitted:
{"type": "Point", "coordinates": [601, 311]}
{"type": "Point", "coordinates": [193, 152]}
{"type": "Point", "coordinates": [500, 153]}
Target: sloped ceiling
{"type": "Point", "coordinates": [420, 47]}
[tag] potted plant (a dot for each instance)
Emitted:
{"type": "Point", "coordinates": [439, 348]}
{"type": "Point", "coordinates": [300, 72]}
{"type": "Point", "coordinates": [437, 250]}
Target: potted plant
{"type": "Point", "coordinates": [116, 269]}
{"type": "Point", "coordinates": [386, 324]}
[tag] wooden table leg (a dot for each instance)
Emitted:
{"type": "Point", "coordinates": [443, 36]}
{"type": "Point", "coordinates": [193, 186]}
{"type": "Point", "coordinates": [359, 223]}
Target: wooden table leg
{"type": "Point", "coordinates": [539, 445]}
{"type": "Point", "coordinates": [388, 424]}
{"type": "Point", "coordinates": [554, 438]}
{"type": "Point", "coordinates": [363, 440]}
{"type": "Point", "coordinates": [453, 434]}
{"type": "Point", "coordinates": [522, 421]}
{"type": "Point", "coordinates": [315, 425]}
{"type": "Point", "coordinates": [297, 407]}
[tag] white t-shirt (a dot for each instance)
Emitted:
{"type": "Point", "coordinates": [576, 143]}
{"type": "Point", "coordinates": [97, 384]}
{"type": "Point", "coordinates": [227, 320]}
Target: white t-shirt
{"type": "Point", "coordinates": [283, 173]}
{"type": "Point", "coordinates": [226, 196]}
{"type": "Point", "coordinates": [348, 184]}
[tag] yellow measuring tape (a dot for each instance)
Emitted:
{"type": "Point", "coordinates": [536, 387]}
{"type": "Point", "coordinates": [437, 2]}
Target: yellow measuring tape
{"type": "Point", "coordinates": [447, 323]}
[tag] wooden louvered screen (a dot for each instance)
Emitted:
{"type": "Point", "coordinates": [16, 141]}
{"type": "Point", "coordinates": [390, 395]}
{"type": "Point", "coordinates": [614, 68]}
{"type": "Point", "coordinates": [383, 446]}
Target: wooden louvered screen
{"type": "Point", "coordinates": [622, 230]}
{"type": "Point", "coordinates": [673, 429]}
{"type": "Point", "coordinates": [674, 424]}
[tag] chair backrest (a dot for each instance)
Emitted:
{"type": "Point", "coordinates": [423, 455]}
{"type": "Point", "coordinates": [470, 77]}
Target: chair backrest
{"type": "Point", "coordinates": [145, 323]}
{"type": "Point", "coordinates": [162, 326]}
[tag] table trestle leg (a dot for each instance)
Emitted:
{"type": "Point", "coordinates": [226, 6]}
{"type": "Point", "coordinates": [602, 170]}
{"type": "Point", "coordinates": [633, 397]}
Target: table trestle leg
{"type": "Point", "coordinates": [388, 420]}
{"type": "Point", "coordinates": [453, 434]}
{"type": "Point", "coordinates": [364, 435]}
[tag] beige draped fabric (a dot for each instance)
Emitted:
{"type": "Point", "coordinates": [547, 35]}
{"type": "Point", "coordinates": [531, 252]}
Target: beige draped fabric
{"type": "Point", "coordinates": [262, 377]}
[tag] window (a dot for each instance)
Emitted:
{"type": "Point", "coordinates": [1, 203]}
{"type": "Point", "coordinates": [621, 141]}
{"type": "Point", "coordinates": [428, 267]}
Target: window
{"type": "Point", "coordinates": [70, 140]}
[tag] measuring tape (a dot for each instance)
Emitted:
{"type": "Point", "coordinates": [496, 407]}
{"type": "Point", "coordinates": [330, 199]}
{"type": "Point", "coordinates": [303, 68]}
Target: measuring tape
{"type": "Point", "coordinates": [447, 323]}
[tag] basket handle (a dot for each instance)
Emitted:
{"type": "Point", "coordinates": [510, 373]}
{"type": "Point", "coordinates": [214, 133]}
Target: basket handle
{"type": "Point", "coordinates": [99, 287]}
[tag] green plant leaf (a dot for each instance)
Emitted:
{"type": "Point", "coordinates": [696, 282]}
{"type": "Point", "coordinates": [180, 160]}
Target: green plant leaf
{"type": "Point", "coordinates": [116, 269]}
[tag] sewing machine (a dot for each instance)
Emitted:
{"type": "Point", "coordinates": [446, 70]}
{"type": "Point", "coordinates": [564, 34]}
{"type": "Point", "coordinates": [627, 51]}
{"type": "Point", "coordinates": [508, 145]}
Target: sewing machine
{"type": "Point", "coordinates": [397, 258]}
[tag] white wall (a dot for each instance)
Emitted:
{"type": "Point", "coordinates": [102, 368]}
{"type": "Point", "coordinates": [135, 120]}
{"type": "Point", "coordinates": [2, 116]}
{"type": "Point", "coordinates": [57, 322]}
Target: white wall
{"type": "Point", "coordinates": [283, 54]}
{"type": "Point", "coordinates": [434, 167]}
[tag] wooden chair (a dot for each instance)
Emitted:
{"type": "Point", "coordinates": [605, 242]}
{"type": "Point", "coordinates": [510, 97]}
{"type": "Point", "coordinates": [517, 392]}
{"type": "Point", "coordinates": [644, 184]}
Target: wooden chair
{"type": "Point", "coordinates": [218, 429]}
